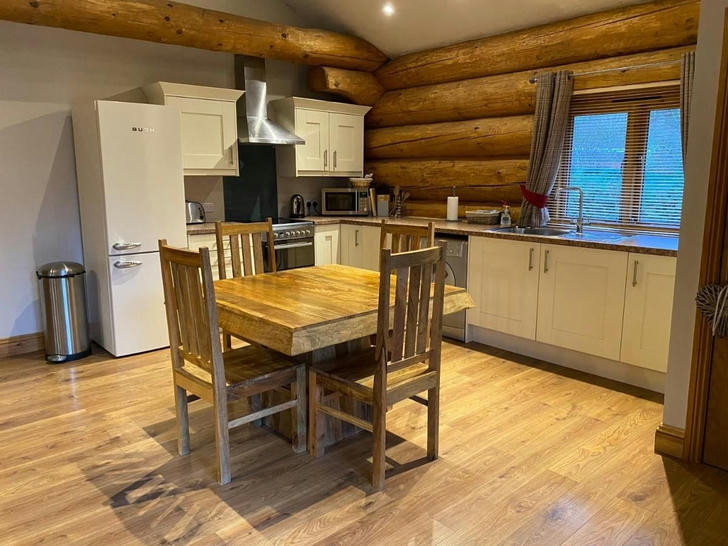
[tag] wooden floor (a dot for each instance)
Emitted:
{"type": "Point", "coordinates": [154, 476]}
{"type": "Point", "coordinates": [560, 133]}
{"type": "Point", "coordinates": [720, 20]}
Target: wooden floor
{"type": "Point", "coordinates": [530, 453]}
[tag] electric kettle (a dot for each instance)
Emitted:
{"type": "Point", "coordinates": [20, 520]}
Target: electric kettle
{"type": "Point", "coordinates": [297, 206]}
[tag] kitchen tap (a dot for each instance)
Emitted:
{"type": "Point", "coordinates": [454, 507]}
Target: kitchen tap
{"type": "Point", "coordinates": [580, 218]}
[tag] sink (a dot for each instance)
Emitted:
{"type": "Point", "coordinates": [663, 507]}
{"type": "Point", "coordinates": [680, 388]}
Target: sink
{"type": "Point", "coordinates": [596, 235]}
{"type": "Point", "coordinates": [541, 231]}
{"type": "Point", "coordinates": [587, 235]}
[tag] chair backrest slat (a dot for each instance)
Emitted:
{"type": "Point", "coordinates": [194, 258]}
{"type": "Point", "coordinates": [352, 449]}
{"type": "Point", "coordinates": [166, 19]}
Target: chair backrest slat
{"type": "Point", "coordinates": [399, 238]}
{"type": "Point", "coordinates": [416, 322]}
{"type": "Point", "coordinates": [191, 309]}
{"type": "Point", "coordinates": [246, 247]}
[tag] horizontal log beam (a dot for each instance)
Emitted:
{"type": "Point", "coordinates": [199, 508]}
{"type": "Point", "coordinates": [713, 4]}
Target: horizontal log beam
{"type": "Point", "coordinates": [438, 209]}
{"type": "Point", "coordinates": [170, 22]}
{"type": "Point", "coordinates": [512, 94]}
{"type": "Point", "coordinates": [622, 31]}
{"type": "Point", "coordinates": [359, 87]}
{"type": "Point", "coordinates": [447, 172]}
{"type": "Point", "coordinates": [478, 138]}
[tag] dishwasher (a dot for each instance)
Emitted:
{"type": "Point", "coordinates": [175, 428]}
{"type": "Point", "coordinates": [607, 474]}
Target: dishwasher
{"type": "Point", "coordinates": [456, 274]}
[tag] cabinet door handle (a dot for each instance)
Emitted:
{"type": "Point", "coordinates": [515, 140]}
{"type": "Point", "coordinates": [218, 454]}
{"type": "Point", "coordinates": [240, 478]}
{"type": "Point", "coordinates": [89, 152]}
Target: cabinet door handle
{"type": "Point", "coordinates": [334, 159]}
{"type": "Point", "coordinates": [634, 273]}
{"type": "Point", "coordinates": [530, 258]}
{"type": "Point", "coordinates": [546, 261]}
{"type": "Point", "coordinates": [356, 237]}
{"type": "Point", "coordinates": [326, 158]}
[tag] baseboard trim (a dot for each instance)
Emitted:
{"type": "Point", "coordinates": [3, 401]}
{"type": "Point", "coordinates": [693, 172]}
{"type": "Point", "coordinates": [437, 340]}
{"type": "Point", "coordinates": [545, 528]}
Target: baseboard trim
{"type": "Point", "coordinates": [19, 345]}
{"type": "Point", "coordinates": [610, 369]}
{"type": "Point", "coordinates": [669, 441]}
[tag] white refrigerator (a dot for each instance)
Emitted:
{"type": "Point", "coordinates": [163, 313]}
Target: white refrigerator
{"type": "Point", "coordinates": [131, 194]}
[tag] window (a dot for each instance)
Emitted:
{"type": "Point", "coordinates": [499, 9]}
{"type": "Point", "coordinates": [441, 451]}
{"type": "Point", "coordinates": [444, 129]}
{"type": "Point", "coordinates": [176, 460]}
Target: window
{"type": "Point", "coordinates": [623, 149]}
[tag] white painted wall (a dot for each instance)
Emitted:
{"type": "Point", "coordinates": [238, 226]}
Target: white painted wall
{"type": "Point", "coordinates": [697, 173]}
{"type": "Point", "coordinates": [45, 70]}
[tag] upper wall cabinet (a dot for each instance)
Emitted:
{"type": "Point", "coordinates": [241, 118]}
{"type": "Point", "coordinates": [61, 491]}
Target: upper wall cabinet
{"type": "Point", "coordinates": [334, 135]}
{"type": "Point", "coordinates": [209, 125]}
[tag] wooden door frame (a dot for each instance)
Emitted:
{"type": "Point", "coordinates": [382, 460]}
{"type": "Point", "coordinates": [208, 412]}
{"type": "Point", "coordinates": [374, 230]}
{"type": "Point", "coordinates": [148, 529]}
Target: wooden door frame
{"type": "Point", "coordinates": [712, 268]}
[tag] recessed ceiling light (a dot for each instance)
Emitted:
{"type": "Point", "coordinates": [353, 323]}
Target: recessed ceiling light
{"type": "Point", "coordinates": [388, 9]}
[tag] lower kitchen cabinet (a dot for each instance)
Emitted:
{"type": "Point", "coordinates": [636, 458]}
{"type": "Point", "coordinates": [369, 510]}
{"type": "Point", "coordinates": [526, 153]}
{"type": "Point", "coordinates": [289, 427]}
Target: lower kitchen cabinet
{"type": "Point", "coordinates": [326, 244]}
{"type": "Point", "coordinates": [581, 299]}
{"type": "Point", "coordinates": [503, 277]}
{"type": "Point", "coordinates": [197, 241]}
{"type": "Point", "coordinates": [359, 246]}
{"type": "Point", "coordinates": [648, 311]}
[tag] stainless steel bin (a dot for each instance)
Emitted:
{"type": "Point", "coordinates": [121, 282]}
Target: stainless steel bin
{"type": "Point", "coordinates": [63, 297]}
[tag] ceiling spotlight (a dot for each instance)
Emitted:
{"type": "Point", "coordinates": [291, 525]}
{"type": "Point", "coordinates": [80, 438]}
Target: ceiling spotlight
{"type": "Point", "coordinates": [388, 9]}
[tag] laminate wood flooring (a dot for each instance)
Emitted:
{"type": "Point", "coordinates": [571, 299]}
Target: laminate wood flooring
{"type": "Point", "coordinates": [531, 453]}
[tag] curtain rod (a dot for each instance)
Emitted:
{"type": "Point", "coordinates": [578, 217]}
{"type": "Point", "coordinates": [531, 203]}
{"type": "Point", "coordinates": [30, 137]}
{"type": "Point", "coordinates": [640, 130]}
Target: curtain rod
{"type": "Point", "coordinates": [534, 79]}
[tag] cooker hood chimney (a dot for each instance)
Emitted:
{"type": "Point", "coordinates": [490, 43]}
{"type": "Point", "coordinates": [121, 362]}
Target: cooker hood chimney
{"type": "Point", "coordinates": [254, 127]}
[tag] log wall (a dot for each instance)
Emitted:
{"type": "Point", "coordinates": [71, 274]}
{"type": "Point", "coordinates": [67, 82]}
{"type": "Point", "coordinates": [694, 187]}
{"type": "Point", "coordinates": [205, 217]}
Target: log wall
{"type": "Point", "coordinates": [462, 115]}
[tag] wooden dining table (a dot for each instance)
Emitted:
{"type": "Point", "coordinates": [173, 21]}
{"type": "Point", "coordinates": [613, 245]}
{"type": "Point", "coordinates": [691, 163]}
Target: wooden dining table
{"type": "Point", "coordinates": [314, 313]}
{"type": "Point", "coordinates": [310, 310]}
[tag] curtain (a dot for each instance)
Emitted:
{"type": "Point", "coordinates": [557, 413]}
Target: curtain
{"type": "Point", "coordinates": [687, 75]}
{"type": "Point", "coordinates": [549, 128]}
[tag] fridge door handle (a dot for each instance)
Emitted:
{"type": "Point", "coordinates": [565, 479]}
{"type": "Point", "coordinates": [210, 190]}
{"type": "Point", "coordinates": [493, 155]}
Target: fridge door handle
{"type": "Point", "coordinates": [127, 264]}
{"type": "Point", "coordinates": [125, 246]}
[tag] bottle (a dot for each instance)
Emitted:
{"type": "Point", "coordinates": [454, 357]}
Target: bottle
{"type": "Point", "coordinates": [505, 219]}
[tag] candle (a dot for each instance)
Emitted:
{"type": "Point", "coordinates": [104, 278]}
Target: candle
{"type": "Point", "coordinates": [452, 208]}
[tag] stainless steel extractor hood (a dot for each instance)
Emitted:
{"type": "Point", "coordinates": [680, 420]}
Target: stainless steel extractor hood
{"type": "Point", "coordinates": [254, 127]}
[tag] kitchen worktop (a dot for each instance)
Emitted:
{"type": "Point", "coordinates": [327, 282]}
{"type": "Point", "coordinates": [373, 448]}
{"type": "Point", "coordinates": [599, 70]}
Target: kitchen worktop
{"type": "Point", "coordinates": [201, 229]}
{"type": "Point", "coordinates": [662, 245]}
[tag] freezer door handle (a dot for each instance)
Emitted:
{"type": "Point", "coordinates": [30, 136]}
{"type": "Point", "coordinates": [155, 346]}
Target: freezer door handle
{"type": "Point", "coordinates": [126, 246]}
{"type": "Point", "coordinates": [127, 264]}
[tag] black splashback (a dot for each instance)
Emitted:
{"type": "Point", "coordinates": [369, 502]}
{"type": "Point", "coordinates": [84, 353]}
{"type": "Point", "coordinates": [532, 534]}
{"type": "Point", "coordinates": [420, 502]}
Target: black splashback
{"type": "Point", "coordinates": [252, 196]}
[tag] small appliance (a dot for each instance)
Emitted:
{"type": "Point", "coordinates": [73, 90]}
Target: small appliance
{"type": "Point", "coordinates": [297, 206]}
{"type": "Point", "coordinates": [195, 212]}
{"type": "Point", "coordinates": [345, 202]}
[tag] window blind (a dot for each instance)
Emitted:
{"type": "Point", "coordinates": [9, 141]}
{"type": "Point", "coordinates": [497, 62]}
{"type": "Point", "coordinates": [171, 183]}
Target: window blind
{"type": "Point", "coordinates": [623, 149]}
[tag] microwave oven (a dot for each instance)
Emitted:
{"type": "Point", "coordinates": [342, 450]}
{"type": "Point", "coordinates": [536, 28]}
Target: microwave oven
{"type": "Point", "coordinates": [344, 202]}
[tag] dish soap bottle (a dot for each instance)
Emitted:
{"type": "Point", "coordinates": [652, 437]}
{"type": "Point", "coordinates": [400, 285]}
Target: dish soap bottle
{"type": "Point", "coordinates": [505, 219]}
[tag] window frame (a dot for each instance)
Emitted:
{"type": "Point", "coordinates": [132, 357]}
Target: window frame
{"type": "Point", "coordinates": [638, 106]}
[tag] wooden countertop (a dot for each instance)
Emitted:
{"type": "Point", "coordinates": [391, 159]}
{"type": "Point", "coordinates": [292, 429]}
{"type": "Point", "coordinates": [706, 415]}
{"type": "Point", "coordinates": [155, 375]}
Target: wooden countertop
{"type": "Point", "coordinates": [661, 245]}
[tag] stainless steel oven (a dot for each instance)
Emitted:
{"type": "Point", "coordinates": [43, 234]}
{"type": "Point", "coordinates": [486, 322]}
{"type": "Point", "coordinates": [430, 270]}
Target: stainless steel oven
{"type": "Point", "coordinates": [344, 202]}
{"type": "Point", "coordinates": [293, 245]}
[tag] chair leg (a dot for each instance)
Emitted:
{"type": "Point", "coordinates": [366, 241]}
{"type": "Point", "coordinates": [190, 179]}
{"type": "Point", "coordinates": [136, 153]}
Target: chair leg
{"type": "Point", "coordinates": [433, 422]}
{"type": "Point", "coordinates": [314, 398]}
{"type": "Point", "coordinates": [183, 420]}
{"type": "Point", "coordinates": [379, 432]}
{"type": "Point", "coordinates": [222, 441]}
{"type": "Point", "coordinates": [227, 341]}
{"type": "Point", "coordinates": [299, 412]}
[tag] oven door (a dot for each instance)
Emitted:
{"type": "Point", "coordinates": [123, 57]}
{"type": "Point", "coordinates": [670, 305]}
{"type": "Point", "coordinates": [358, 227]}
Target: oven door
{"type": "Point", "coordinates": [292, 254]}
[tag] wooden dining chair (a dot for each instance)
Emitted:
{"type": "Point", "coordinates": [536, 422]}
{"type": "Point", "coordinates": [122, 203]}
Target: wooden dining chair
{"type": "Point", "coordinates": [201, 368]}
{"type": "Point", "coordinates": [246, 252]}
{"type": "Point", "coordinates": [399, 238]}
{"type": "Point", "coordinates": [403, 363]}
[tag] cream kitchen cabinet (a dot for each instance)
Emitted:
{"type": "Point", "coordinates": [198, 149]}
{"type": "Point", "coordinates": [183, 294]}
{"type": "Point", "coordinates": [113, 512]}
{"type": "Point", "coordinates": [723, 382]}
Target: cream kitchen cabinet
{"type": "Point", "coordinates": [648, 311]}
{"type": "Point", "coordinates": [326, 244]}
{"type": "Point", "coordinates": [209, 125]}
{"type": "Point", "coordinates": [503, 278]}
{"type": "Point", "coordinates": [334, 135]}
{"type": "Point", "coordinates": [359, 246]}
{"type": "Point", "coordinates": [197, 241]}
{"type": "Point", "coordinates": [581, 299]}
